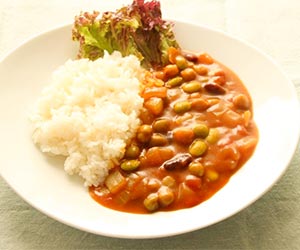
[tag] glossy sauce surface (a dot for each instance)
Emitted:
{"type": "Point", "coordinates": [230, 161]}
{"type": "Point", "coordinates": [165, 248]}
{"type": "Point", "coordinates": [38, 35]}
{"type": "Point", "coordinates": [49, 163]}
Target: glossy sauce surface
{"type": "Point", "coordinates": [197, 131]}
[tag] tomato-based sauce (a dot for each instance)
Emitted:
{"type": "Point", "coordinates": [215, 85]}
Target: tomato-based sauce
{"type": "Point", "coordinates": [197, 131]}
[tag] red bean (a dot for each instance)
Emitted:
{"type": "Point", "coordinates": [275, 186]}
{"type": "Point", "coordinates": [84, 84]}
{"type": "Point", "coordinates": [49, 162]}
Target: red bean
{"type": "Point", "coordinates": [214, 88]}
{"type": "Point", "coordinates": [191, 57]}
{"type": "Point", "coordinates": [179, 161]}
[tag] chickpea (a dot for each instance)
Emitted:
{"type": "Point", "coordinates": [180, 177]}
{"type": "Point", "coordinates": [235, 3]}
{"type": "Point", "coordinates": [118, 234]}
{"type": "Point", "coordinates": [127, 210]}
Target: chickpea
{"type": "Point", "coordinates": [196, 168]}
{"type": "Point", "coordinates": [168, 181]}
{"type": "Point", "coordinates": [145, 116]}
{"type": "Point", "coordinates": [241, 101]}
{"type": "Point", "coordinates": [205, 59]}
{"type": "Point", "coordinates": [201, 130]}
{"type": "Point", "coordinates": [144, 133]}
{"type": "Point", "coordinates": [181, 62]}
{"type": "Point", "coordinates": [200, 69]}
{"type": "Point", "coordinates": [158, 140]}
{"type": "Point", "coordinates": [199, 104]}
{"type": "Point", "coordinates": [165, 196]}
{"type": "Point", "coordinates": [188, 74]}
{"type": "Point", "coordinates": [151, 202]}
{"type": "Point", "coordinates": [133, 151]}
{"type": "Point", "coordinates": [171, 70]}
{"type": "Point", "coordinates": [161, 125]}
{"type": "Point", "coordinates": [213, 136]}
{"type": "Point", "coordinates": [197, 148]}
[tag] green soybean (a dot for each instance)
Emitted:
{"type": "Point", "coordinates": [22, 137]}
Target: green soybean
{"type": "Point", "coordinates": [161, 125]}
{"type": "Point", "coordinates": [174, 82]}
{"type": "Point", "coordinates": [130, 165]}
{"type": "Point", "coordinates": [182, 107]}
{"type": "Point", "coordinates": [191, 87]}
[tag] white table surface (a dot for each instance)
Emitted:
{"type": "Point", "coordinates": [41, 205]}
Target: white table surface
{"type": "Point", "coordinates": [273, 222]}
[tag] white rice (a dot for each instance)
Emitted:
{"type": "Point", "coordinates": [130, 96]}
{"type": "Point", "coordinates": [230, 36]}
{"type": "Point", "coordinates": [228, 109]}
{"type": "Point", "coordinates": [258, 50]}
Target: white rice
{"type": "Point", "coordinates": [88, 113]}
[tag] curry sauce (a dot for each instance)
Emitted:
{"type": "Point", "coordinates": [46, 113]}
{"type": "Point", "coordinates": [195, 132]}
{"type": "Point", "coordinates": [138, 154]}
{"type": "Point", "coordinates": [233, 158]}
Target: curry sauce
{"type": "Point", "coordinates": [197, 130]}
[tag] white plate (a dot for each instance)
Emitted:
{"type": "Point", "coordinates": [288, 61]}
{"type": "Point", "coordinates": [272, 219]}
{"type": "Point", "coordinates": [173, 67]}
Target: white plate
{"type": "Point", "coordinates": [41, 181]}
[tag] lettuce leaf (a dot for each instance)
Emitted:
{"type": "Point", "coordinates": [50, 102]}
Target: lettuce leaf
{"type": "Point", "coordinates": [136, 29]}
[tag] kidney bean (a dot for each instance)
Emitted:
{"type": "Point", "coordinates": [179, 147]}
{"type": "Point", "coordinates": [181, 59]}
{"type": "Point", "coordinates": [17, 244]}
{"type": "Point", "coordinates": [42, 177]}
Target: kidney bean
{"type": "Point", "coordinates": [191, 57]}
{"type": "Point", "coordinates": [214, 88]}
{"type": "Point", "coordinates": [179, 161]}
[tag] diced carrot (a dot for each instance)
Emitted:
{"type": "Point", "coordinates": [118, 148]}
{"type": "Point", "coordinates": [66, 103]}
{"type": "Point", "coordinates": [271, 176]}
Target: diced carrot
{"type": "Point", "coordinates": [173, 52]}
{"type": "Point", "coordinates": [232, 118]}
{"type": "Point", "coordinates": [160, 92]}
{"type": "Point", "coordinates": [220, 80]}
{"type": "Point", "coordinates": [246, 143]}
{"type": "Point", "coordinates": [186, 196]}
{"type": "Point", "coordinates": [140, 189]}
{"type": "Point", "coordinates": [155, 105]}
{"type": "Point", "coordinates": [159, 75]}
{"type": "Point", "coordinates": [183, 135]}
{"type": "Point", "coordinates": [193, 181]}
{"type": "Point", "coordinates": [156, 156]}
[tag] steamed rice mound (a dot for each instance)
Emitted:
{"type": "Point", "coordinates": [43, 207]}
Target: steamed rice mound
{"type": "Point", "coordinates": [88, 113]}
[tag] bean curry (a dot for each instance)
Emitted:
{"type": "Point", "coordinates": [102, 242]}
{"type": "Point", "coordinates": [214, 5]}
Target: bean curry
{"type": "Point", "coordinates": [197, 131]}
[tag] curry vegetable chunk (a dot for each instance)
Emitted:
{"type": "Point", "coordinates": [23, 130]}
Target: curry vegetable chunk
{"type": "Point", "coordinates": [197, 130]}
